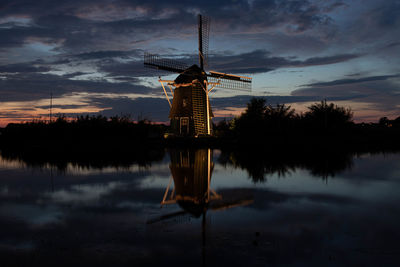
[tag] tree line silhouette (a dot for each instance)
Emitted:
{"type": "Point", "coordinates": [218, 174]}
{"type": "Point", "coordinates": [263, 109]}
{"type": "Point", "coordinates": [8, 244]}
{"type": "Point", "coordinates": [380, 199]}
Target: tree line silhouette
{"type": "Point", "coordinates": [85, 128]}
{"type": "Point", "coordinates": [260, 121]}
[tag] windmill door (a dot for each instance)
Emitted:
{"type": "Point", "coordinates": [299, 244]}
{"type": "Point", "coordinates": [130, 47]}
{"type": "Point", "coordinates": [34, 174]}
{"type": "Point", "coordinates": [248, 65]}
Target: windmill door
{"type": "Point", "coordinates": [184, 125]}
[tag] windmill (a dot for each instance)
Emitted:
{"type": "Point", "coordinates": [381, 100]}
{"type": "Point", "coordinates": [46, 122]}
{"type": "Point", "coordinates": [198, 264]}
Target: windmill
{"type": "Point", "coordinates": [190, 110]}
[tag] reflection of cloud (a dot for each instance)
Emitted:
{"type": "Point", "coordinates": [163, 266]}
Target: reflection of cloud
{"type": "Point", "coordinates": [32, 214]}
{"type": "Point", "coordinates": [302, 219]}
{"type": "Point", "coordinates": [84, 193]}
{"type": "Point", "coordinates": [382, 167]}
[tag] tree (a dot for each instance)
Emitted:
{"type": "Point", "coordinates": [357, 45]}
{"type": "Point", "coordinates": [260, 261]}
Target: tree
{"type": "Point", "coordinates": [279, 117]}
{"type": "Point", "coordinates": [328, 116]}
{"type": "Point", "coordinates": [255, 109]}
{"type": "Point", "coordinates": [384, 121]}
{"type": "Point", "coordinates": [252, 121]}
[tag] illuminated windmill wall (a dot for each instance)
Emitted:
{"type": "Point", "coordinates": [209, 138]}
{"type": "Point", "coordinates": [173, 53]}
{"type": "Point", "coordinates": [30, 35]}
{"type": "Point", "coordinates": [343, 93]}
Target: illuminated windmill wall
{"type": "Point", "coordinates": [191, 112]}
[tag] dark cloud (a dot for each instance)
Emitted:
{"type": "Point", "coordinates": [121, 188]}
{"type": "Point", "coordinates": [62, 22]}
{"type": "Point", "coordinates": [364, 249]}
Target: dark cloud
{"type": "Point", "coordinates": [23, 68]}
{"type": "Point", "coordinates": [60, 106]}
{"type": "Point", "coordinates": [261, 61]}
{"type": "Point", "coordinates": [380, 21]}
{"type": "Point", "coordinates": [315, 61]}
{"type": "Point", "coordinates": [350, 81]}
{"type": "Point", "coordinates": [17, 115]}
{"type": "Point", "coordinates": [394, 44]}
{"type": "Point", "coordinates": [109, 54]}
{"type": "Point", "coordinates": [88, 25]}
{"type": "Point", "coordinates": [383, 92]}
{"type": "Point", "coordinates": [35, 86]}
{"type": "Point", "coordinates": [126, 70]}
{"type": "Point", "coordinates": [333, 6]}
{"type": "Point", "coordinates": [154, 109]}
{"type": "Point", "coordinates": [75, 74]}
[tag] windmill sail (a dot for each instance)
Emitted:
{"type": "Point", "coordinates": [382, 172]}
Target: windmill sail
{"type": "Point", "coordinates": [229, 81]}
{"type": "Point", "coordinates": [204, 33]}
{"type": "Point", "coordinates": [167, 64]}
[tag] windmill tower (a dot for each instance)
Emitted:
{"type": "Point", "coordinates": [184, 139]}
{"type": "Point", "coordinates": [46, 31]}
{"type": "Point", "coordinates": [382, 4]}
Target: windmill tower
{"type": "Point", "coordinates": [190, 110]}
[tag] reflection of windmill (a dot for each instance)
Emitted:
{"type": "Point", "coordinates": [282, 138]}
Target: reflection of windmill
{"type": "Point", "coordinates": [190, 112]}
{"type": "Point", "coordinates": [191, 173]}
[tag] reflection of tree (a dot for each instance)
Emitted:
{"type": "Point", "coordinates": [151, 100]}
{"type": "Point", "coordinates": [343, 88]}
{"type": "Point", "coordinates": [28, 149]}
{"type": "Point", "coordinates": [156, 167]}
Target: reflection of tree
{"type": "Point", "coordinates": [327, 163]}
{"type": "Point", "coordinates": [260, 165]}
{"type": "Point", "coordinates": [320, 163]}
{"type": "Point", "coordinates": [90, 157]}
{"type": "Point", "coordinates": [87, 141]}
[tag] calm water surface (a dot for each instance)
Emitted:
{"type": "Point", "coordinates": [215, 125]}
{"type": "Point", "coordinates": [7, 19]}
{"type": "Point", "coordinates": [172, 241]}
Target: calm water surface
{"type": "Point", "coordinates": [201, 208]}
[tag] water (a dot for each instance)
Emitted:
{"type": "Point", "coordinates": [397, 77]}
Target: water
{"type": "Point", "coordinates": [202, 208]}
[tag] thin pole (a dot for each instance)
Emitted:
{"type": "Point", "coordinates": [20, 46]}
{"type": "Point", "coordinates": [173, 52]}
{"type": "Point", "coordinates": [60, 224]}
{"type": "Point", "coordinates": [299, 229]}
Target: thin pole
{"type": "Point", "coordinates": [51, 105]}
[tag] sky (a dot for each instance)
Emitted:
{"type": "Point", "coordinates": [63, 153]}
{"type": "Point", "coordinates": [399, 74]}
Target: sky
{"type": "Point", "coordinates": [88, 55]}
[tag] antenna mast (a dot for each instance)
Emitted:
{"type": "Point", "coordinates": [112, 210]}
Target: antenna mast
{"type": "Point", "coordinates": [51, 105]}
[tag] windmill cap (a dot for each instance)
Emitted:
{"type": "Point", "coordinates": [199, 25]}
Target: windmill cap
{"type": "Point", "coordinates": [194, 72]}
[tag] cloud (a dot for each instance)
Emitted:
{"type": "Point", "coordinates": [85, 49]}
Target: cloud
{"type": "Point", "coordinates": [258, 61]}
{"type": "Point", "coordinates": [381, 92]}
{"type": "Point", "coordinates": [134, 68]}
{"type": "Point", "coordinates": [261, 61]}
{"type": "Point", "coordinates": [35, 86]}
{"type": "Point", "coordinates": [87, 25]}
{"type": "Point", "coordinates": [154, 109]}
{"type": "Point", "coordinates": [109, 54]}
{"type": "Point", "coordinates": [351, 81]}
{"type": "Point", "coordinates": [23, 68]}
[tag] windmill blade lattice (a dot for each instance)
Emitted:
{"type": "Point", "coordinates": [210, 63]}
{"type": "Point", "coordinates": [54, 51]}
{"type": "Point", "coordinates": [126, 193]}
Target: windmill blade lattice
{"type": "Point", "coordinates": [204, 30]}
{"type": "Point", "coordinates": [157, 62]}
{"type": "Point", "coordinates": [229, 81]}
